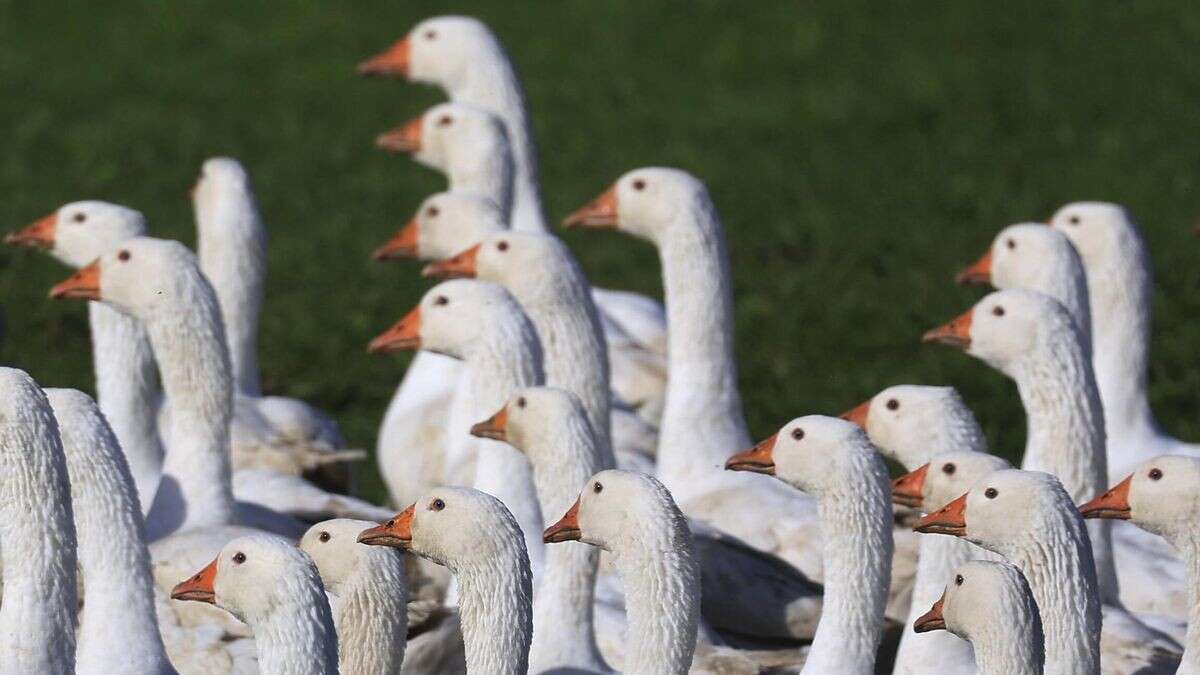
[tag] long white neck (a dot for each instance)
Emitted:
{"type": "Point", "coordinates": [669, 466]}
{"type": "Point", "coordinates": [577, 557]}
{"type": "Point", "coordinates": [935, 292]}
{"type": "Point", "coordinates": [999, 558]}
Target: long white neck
{"type": "Point", "coordinates": [492, 84]}
{"type": "Point", "coordinates": [37, 557]}
{"type": "Point", "coordinates": [370, 614]}
{"type": "Point", "coordinates": [495, 595]}
{"type": "Point", "coordinates": [562, 609]}
{"type": "Point", "coordinates": [938, 557]}
{"type": "Point", "coordinates": [856, 520]}
{"type": "Point", "coordinates": [1065, 434]}
{"type": "Point", "coordinates": [702, 418]}
{"type": "Point", "coordinates": [298, 635]}
{"type": "Point", "coordinates": [127, 390]}
{"type": "Point", "coordinates": [485, 169]}
{"type": "Point", "coordinates": [662, 600]}
{"type": "Point", "coordinates": [189, 344]}
{"type": "Point", "coordinates": [1011, 643]}
{"type": "Point", "coordinates": [231, 243]}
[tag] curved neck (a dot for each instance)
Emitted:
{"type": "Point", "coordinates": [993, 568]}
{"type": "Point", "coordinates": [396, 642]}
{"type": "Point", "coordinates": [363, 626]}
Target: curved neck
{"type": "Point", "coordinates": [127, 390]}
{"type": "Point", "coordinates": [196, 487]}
{"type": "Point", "coordinates": [662, 602]}
{"type": "Point", "coordinates": [496, 586]}
{"type": "Point", "coordinates": [1010, 644]}
{"type": "Point", "coordinates": [485, 170]}
{"type": "Point", "coordinates": [298, 635]}
{"type": "Point", "coordinates": [370, 614]}
{"type": "Point", "coordinates": [939, 556]}
{"type": "Point", "coordinates": [231, 244]}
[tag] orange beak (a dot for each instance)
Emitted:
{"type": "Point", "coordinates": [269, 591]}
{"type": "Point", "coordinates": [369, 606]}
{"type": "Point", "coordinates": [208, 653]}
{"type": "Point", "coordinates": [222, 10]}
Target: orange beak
{"type": "Point", "coordinates": [600, 213]}
{"type": "Point", "coordinates": [907, 489]}
{"type": "Point", "coordinates": [1113, 504]}
{"type": "Point", "coordinates": [979, 273]}
{"type": "Point", "coordinates": [83, 285]}
{"type": "Point", "coordinates": [566, 529]}
{"type": "Point", "coordinates": [495, 427]}
{"type": "Point", "coordinates": [950, 519]}
{"type": "Point", "coordinates": [932, 620]}
{"type": "Point", "coordinates": [758, 459]}
{"type": "Point", "coordinates": [396, 532]}
{"type": "Point", "coordinates": [858, 414]}
{"type": "Point", "coordinates": [38, 235]}
{"type": "Point", "coordinates": [200, 587]}
{"type": "Point", "coordinates": [459, 266]}
{"type": "Point", "coordinates": [403, 244]}
{"type": "Point", "coordinates": [404, 334]}
{"type": "Point", "coordinates": [392, 62]}
{"type": "Point", "coordinates": [957, 333]}
{"type": "Point", "coordinates": [405, 138]}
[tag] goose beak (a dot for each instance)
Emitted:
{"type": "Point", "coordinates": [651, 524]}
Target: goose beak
{"type": "Point", "coordinates": [600, 213]}
{"type": "Point", "coordinates": [404, 138]}
{"type": "Point", "coordinates": [38, 235]}
{"type": "Point", "coordinates": [957, 333]}
{"type": "Point", "coordinates": [494, 427]}
{"type": "Point", "coordinates": [758, 459]}
{"type": "Point", "coordinates": [198, 588]}
{"type": "Point", "coordinates": [950, 519]}
{"type": "Point", "coordinates": [907, 489]}
{"type": "Point", "coordinates": [404, 334]}
{"type": "Point", "coordinates": [566, 529]}
{"type": "Point", "coordinates": [392, 62]}
{"type": "Point", "coordinates": [931, 620]}
{"type": "Point", "coordinates": [460, 266]}
{"type": "Point", "coordinates": [978, 273]}
{"type": "Point", "coordinates": [859, 414]}
{"type": "Point", "coordinates": [1113, 504]}
{"type": "Point", "coordinates": [403, 244]}
{"type": "Point", "coordinates": [83, 285]}
{"type": "Point", "coordinates": [396, 532]}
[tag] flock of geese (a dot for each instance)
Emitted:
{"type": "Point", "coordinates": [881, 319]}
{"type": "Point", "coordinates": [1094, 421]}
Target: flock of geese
{"type": "Point", "coordinates": [578, 477]}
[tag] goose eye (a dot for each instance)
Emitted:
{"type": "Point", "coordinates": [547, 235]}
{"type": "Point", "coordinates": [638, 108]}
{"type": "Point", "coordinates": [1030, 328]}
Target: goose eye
{"type": "Point", "coordinates": [323, 537]}
{"type": "Point", "coordinates": [958, 580]}
{"type": "Point", "coordinates": [1011, 244]}
{"type": "Point", "coordinates": [239, 557]}
{"type": "Point", "coordinates": [1155, 474]}
{"type": "Point", "coordinates": [123, 256]}
{"type": "Point", "coordinates": [430, 35]}
{"type": "Point", "coordinates": [432, 211]}
{"type": "Point", "coordinates": [445, 121]}
{"type": "Point", "coordinates": [441, 300]}
{"type": "Point", "coordinates": [948, 468]}
{"type": "Point", "coordinates": [797, 433]}
{"type": "Point", "coordinates": [437, 505]}
{"type": "Point", "coordinates": [390, 524]}
{"type": "Point", "coordinates": [998, 310]}
{"type": "Point", "coordinates": [893, 404]}
{"type": "Point", "coordinates": [990, 493]}
{"type": "Point", "coordinates": [597, 487]}
{"type": "Point", "coordinates": [1074, 220]}
{"type": "Point", "coordinates": [503, 246]}
{"type": "Point", "coordinates": [520, 401]}
{"type": "Point", "coordinates": [639, 184]}
{"type": "Point", "coordinates": [79, 217]}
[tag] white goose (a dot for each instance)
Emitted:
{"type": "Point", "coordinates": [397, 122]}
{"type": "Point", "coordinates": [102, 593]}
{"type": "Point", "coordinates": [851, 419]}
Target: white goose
{"type": "Point", "coordinates": [444, 224]}
{"type": "Point", "coordinates": [274, 587]}
{"type": "Point", "coordinates": [472, 534]}
{"type": "Point", "coordinates": [990, 604]}
{"type": "Point", "coordinates": [834, 461]}
{"type": "Point", "coordinates": [1120, 285]}
{"type": "Point", "coordinates": [127, 384]}
{"type": "Point", "coordinates": [37, 558]}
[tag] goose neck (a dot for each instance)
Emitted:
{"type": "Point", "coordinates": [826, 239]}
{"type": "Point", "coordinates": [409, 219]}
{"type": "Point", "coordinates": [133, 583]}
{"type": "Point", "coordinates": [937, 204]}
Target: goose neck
{"type": "Point", "coordinates": [484, 169]}
{"type": "Point", "coordinates": [1012, 643]}
{"type": "Point", "coordinates": [370, 614]}
{"type": "Point", "coordinates": [491, 587]}
{"type": "Point", "coordinates": [298, 636]}
{"type": "Point", "coordinates": [937, 558]}
{"type": "Point", "coordinates": [662, 603]}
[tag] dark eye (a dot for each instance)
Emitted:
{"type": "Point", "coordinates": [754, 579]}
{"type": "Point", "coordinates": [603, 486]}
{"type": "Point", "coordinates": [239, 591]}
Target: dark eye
{"type": "Point", "coordinates": [597, 487]}
{"type": "Point", "coordinates": [990, 493]}
{"type": "Point", "coordinates": [441, 300]}
{"type": "Point", "coordinates": [390, 524]}
{"type": "Point", "coordinates": [1074, 220]}
{"type": "Point", "coordinates": [239, 557]}
{"type": "Point", "coordinates": [1011, 243]}
{"type": "Point", "coordinates": [437, 505]}
{"type": "Point", "coordinates": [432, 211]}
{"type": "Point", "coordinates": [797, 433]}
{"type": "Point", "coordinates": [520, 401]}
{"type": "Point", "coordinates": [893, 404]}
{"type": "Point", "coordinates": [998, 310]}
{"type": "Point", "coordinates": [639, 184]}
{"type": "Point", "coordinates": [1155, 474]}
{"type": "Point", "coordinates": [323, 537]}
{"type": "Point", "coordinates": [958, 580]}
{"type": "Point", "coordinates": [503, 246]}
{"type": "Point", "coordinates": [430, 34]}
{"type": "Point", "coordinates": [123, 255]}
{"type": "Point", "coordinates": [948, 468]}
{"type": "Point", "coordinates": [445, 121]}
{"type": "Point", "coordinates": [80, 217]}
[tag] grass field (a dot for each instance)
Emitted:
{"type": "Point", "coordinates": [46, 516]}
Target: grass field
{"type": "Point", "coordinates": [860, 153]}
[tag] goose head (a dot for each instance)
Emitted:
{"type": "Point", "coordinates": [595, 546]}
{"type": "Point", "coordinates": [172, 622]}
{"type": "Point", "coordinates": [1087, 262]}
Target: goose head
{"type": "Point", "coordinates": [1024, 256]}
{"type": "Point", "coordinates": [1004, 509]}
{"type": "Point", "coordinates": [441, 50]}
{"type": "Point", "coordinates": [905, 420]}
{"type": "Point", "coordinates": [521, 261]}
{"type": "Point", "coordinates": [334, 549]}
{"type": "Point", "coordinates": [218, 176]}
{"type": "Point", "coordinates": [1103, 233]}
{"type": "Point", "coordinates": [946, 476]}
{"type": "Point", "coordinates": [980, 596]}
{"type": "Point", "coordinates": [1161, 496]}
{"type": "Point", "coordinates": [532, 414]}
{"type": "Point", "coordinates": [449, 137]}
{"type": "Point", "coordinates": [251, 577]}
{"type": "Point", "coordinates": [142, 277]}
{"type": "Point", "coordinates": [79, 232]}
{"type": "Point", "coordinates": [440, 228]}
{"type": "Point", "coordinates": [644, 202]}
{"type": "Point", "coordinates": [814, 454]}
{"type": "Point", "coordinates": [449, 318]}
{"type": "Point", "coordinates": [624, 512]}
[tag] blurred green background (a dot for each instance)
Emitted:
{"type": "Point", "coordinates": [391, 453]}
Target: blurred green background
{"type": "Point", "coordinates": [860, 154]}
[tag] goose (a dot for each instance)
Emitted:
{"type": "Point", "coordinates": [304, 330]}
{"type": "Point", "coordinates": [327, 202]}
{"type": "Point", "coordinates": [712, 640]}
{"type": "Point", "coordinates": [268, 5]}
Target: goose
{"type": "Point", "coordinates": [127, 385]}
{"type": "Point", "coordinates": [37, 556]}
{"type": "Point", "coordinates": [479, 540]}
{"type": "Point", "coordinates": [990, 604]}
{"type": "Point", "coordinates": [1032, 339]}
{"type": "Point", "coordinates": [441, 225]}
{"type": "Point", "coordinates": [1028, 517]}
{"type": "Point", "coordinates": [274, 587]}
{"type": "Point", "coordinates": [368, 594]}
{"type": "Point", "coordinates": [1159, 497]}
{"type": "Point", "coordinates": [1120, 285]}
{"type": "Point", "coordinates": [833, 460]}
{"type": "Point", "coordinates": [479, 323]}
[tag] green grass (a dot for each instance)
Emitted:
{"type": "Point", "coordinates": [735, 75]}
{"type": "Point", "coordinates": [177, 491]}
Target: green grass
{"type": "Point", "coordinates": [859, 152]}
